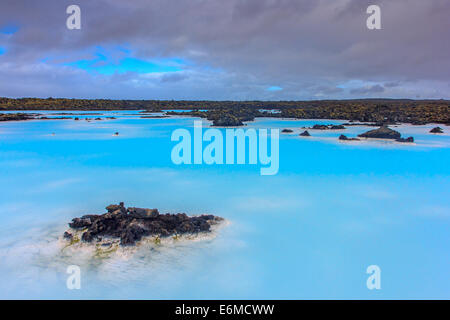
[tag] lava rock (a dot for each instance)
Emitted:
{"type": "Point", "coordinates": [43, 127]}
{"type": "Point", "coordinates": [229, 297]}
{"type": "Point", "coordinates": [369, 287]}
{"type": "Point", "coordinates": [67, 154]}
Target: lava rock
{"type": "Point", "coordinates": [114, 207]}
{"type": "Point", "coordinates": [131, 224]}
{"type": "Point", "coordinates": [15, 116]}
{"type": "Point", "coordinates": [143, 213]}
{"type": "Point", "coordinates": [79, 223]}
{"type": "Point", "coordinates": [327, 127]}
{"type": "Point", "coordinates": [132, 233]}
{"type": "Point", "coordinates": [305, 134]}
{"type": "Point", "coordinates": [337, 127]}
{"type": "Point", "coordinates": [68, 235]}
{"type": "Point", "coordinates": [409, 139]}
{"type": "Point", "coordinates": [381, 133]}
{"type": "Point", "coordinates": [345, 138]}
{"type": "Point", "coordinates": [436, 130]}
{"type": "Point", "coordinates": [320, 127]}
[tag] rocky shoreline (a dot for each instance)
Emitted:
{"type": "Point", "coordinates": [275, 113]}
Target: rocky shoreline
{"type": "Point", "coordinates": [131, 224]}
{"type": "Point", "coordinates": [378, 111]}
{"type": "Point", "coordinates": [16, 116]}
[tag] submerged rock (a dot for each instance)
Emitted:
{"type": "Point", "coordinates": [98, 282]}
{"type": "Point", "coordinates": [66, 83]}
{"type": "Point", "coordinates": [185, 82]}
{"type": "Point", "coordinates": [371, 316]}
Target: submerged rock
{"type": "Point", "coordinates": [436, 130]}
{"type": "Point", "coordinates": [131, 224]}
{"type": "Point", "coordinates": [409, 139]}
{"type": "Point", "coordinates": [381, 133]}
{"type": "Point", "coordinates": [305, 134]}
{"type": "Point", "coordinates": [287, 131]}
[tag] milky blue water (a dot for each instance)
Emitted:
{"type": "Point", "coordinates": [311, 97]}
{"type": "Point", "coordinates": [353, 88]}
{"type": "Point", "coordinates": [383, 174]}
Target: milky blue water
{"type": "Point", "coordinates": [333, 209]}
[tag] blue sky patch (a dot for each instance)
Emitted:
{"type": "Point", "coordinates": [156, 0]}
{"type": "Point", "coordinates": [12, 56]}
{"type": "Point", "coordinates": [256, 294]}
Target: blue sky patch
{"type": "Point", "coordinates": [274, 88]}
{"type": "Point", "coordinates": [9, 29]}
{"type": "Point", "coordinates": [121, 61]}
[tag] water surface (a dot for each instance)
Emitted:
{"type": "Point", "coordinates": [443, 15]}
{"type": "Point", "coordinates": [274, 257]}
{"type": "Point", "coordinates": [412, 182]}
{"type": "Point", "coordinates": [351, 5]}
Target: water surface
{"type": "Point", "coordinates": [310, 231]}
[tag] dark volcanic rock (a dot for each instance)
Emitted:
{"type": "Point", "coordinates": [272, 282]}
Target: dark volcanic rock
{"type": "Point", "coordinates": [224, 117]}
{"type": "Point", "coordinates": [381, 133]}
{"type": "Point", "coordinates": [15, 116]}
{"type": "Point", "coordinates": [352, 123]}
{"type": "Point", "coordinates": [409, 139]}
{"type": "Point", "coordinates": [320, 127]}
{"type": "Point", "coordinates": [68, 235]}
{"type": "Point", "coordinates": [345, 138]}
{"type": "Point", "coordinates": [305, 134]}
{"type": "Point", "coordinates": [143, 213]}
{"type": "Point", "coordinates": [287, 131]}
{"type": "Point", "coordinates": [327, 127]}
{"type": "Point", "coordinates": [337, 127]}
{"type": "Point", "coordinates": [131, 224]}
{"type": "Point", "coordinates": [436, 130]}
{"type": "Point", "coordinates": [114, 207]}
{"type": "Point", "coordinates": [78, 223]}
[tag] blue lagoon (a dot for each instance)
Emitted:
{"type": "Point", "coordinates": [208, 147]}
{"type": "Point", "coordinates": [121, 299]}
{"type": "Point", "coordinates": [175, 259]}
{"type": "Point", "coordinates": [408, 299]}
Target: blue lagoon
{"type": "Point", "coordinates": [310, 231]}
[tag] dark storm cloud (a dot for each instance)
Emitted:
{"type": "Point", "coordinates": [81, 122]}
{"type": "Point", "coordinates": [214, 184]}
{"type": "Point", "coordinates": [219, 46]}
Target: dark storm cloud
{"type": "Point", "coordinates": [236, 48]}
{"type": "Point", "coordinates": [391, 84]}
{"type": "Point", "coordinates": [174, 77]}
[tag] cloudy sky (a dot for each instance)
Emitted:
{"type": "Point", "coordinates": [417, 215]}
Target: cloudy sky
{"type": "Point", "coordinates": [225, 49]}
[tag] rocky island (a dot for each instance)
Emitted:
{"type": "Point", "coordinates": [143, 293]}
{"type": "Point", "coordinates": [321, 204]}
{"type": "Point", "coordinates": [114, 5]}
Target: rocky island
{"type": "Point", "coordinates": [305, 134]}
{"type": "Point", "coordinates": [436, 130]}
{"type": "Point", "coordinates": [132, 224]}
{"type": "Point", "coordinates": [385, 133]}
{"type": "Point", "coordinates": [345, 138]}
{"type": "Point", "coordinates": [224, 117]}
